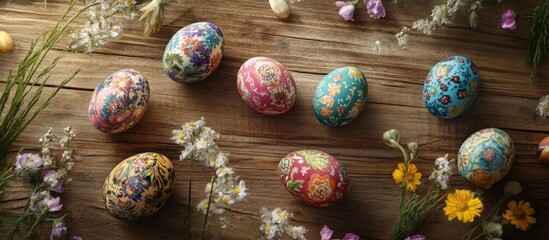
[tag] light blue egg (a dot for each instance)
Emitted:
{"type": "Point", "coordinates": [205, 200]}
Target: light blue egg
{"type": "Point", "coordinates": [450, 87]}
{"type": "Point", "coordinates": [486, 156]}
{"type": "Point", "coordinates": [340, 96]}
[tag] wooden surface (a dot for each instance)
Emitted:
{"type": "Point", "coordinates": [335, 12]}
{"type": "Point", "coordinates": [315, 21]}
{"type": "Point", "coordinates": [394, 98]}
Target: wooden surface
{"type": "Point", "coordinates": [311, 43]}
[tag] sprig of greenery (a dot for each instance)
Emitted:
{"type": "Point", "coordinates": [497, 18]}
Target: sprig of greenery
{"type": "Point", "coordinates": [538, 39]}
{"type": "Point", "coordinates": [25, 87]}
{"type": "Point", "coordinates": [414, 208]}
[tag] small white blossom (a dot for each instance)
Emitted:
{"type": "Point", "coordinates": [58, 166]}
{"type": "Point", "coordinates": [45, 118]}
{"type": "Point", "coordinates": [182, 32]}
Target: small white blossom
{"type": "Point", "coordinates": [493, 230]}
{"type": "Point", "coordinates": [442, 171]}
{"type": "Point", "coordinates": [543, 106]}
{"type": "Point", "coordinates": [225, 188]}
{"type": "Point", "coordinates": [276, 223]}
{"type": "Point", "coordinates": [270, 230]}
{"type": "Point", "coordinates": [296, 232]}
{"type": "Point", "coordinates": [102, 24]}
{"type": "Point", "coordinates": [153, 14]}
{"type": "Point", "coordinates": [377, 47]}
{"type": "Point", "coordinates": [402, 37]}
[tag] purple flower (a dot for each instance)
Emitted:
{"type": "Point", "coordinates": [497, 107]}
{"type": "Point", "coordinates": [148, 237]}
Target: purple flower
{"type": "Point", "coordinates": [76, 238]}
{"type": "Point", "coordinates": [59, 230]}
{"type": "Point", "coordinates": [326, 233]}
{"type": "Point", "coordinates": [53, 204]}
{"type": "Point", "coordinates": [375, 9]}
{"type": "Point", "coordinates": [350, 236]}
{"type": "Point", "coordinates": [508, 20]}
{"type": "Point", "coordinates": [44, 201]}
{"type": "Point", "coordinates": [346, 10]}
{"type": "Point", "coordinates": [32, 162]}
{"type": "Point", "coordinates": [416, 237]}
{"type": "Point", "coordinates": [52, 178]}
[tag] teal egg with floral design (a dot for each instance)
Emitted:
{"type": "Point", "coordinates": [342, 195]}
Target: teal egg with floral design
{"type": "Point", "coordinates": [450, 87]}
{"type": "Point", "coordinates": [138, 186]}
{"type": "Point", "coordinates": [193, 52]}
{"type": "Point", "coordinates": [486, 156]}
{"type": "Point", "coordinates": [340, 96]}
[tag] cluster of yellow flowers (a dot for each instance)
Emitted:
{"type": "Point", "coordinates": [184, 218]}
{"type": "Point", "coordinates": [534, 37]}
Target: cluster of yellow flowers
{"type": "Point", "coordinates": [462, 204]}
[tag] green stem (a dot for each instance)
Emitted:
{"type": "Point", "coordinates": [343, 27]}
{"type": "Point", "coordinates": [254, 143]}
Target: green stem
{"type": "Point", "coordinates": [404, 153]}
{"type": "Point", "coordinates": [189, 222]}
{"type": "Point", "coordinates": [39, 220]}
{"type": "Point", "coordinates": [480, 235]}
{"type": "Point", "coordinates": [209, 204]}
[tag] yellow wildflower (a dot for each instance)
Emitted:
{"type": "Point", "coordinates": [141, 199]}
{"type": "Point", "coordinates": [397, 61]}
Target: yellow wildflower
{"type": "Point", "coordinates": [463, 205]}
{"type": "Point", "coordinates": [407, 175]}
{"type": "Point", "coordinates": [519, 215]}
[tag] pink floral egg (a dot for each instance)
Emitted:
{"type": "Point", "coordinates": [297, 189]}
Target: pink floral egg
{"type": "Point", "coordinates": [119, 101]}
{"type": "Point", "coordinates": [314, 177]}
{"type": "Point", "coordinates": [266, 86]}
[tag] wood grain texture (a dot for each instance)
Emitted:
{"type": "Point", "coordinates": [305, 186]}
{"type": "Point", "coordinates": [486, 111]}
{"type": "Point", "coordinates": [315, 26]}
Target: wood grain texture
{"type": "Point", "coordinates": [311, 43]}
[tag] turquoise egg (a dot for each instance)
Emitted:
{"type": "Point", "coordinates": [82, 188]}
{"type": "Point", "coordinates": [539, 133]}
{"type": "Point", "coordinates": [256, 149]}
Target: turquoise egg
{"type": "Point", "coordinates": [340, 96]}
{"type": "Point", "coordinates": [450, 87]}
{"type": "Point", "coordinates": [486, 156]}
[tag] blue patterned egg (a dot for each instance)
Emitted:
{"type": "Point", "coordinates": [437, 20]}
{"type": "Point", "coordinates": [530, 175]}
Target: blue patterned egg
{"type": "Point", "coordinates": [138, 186]}
{"type": "Point", "coordinates": [193, 52]}
{"type": "Point", "coordinates": [486, 157]}
{"type": "Point", "coordinates": [119, 101]}
{"type": "Point", "coordinates": [340, 96]}
{"type": "Point", "coordinates": [450, 87]}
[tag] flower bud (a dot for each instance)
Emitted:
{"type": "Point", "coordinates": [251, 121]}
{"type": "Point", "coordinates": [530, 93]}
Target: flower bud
{"type": "Point", "coordinates": [6, 42]}
{"type": "Point", "coordinates": [512, 188]}
{"type": "Point", "coordinates": [391, 135]}
{"type": "Point", "coordinates": [280, 8]}
{"type": "Point", "coordinates": [473, 19]}
{"type": "Point", "coordinates": [413, 147]}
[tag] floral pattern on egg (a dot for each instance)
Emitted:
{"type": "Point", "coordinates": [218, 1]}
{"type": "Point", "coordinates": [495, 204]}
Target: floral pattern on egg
{"type": "Point", "coordinates": [314, 177]}
{"type": "Point", "coordinates": [138, 186]}
{"type": "Point", "coordinates": [266, 86]}
{"type": "Point", "coordinates": [486, 156]}
{"type": "Point", "coordinates": [193, 53]}
{"type": "Point", "coordinates": [119, 101]}
{"type": "Point", "coordinates": [450, 87]}
{"type": "Point", "coordinates": [340, 96]}
{"type": "Point", "coordinates": [543, 150]}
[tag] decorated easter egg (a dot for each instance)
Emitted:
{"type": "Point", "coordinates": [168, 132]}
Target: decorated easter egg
{"type": "Point", "coordinates": [193, 52]}
{"type": "Point", "coordinates": [340, 96]}
{"type": "Point", "coordinates": [450, 87]}
{"type": "Point", "coordinates": [314, 177]}
{"type": "Point", "coordinates": [266, 86]}
{"type": "Point", "coordinates": [119, 101]}
{"type": "Point", "coordinates": [138, 186]}
{"type": "Point", "coordinates": [543, 150]}
{"type": "Point", "coordinates": [486, 156]}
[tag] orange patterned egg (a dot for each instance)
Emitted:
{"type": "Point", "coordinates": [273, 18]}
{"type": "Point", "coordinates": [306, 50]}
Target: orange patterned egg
{"type": "Point", "coordinates": [543, 150]}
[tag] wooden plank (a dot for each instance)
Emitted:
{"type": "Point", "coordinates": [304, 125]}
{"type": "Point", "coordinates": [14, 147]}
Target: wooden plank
{"type": "Point", "coordinates": [311, 43]}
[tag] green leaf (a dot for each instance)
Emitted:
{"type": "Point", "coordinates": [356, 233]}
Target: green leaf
{"type": "Point", "coordinates": [538, 39]}
{"type": "Point", "coordinates": [294, 185]}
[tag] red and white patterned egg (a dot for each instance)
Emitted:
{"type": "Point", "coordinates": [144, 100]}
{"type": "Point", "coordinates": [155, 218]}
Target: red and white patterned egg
{"type": "Point", "coordinates": [266, 86]}
{"type": "Point", "coordinates": [314, 177]}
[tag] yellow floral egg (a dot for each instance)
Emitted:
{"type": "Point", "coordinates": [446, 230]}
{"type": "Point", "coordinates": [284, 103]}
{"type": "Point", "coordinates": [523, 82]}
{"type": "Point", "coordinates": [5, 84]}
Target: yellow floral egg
{"type": "Point", "coordinates": [138, 186]}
